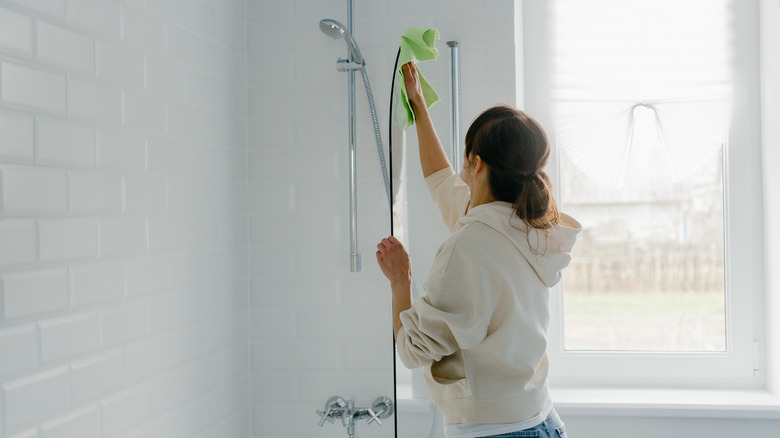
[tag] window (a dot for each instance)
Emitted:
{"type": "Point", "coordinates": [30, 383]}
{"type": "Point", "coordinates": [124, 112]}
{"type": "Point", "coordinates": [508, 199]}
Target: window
{"type": "Point", "coordinates": [648, 107]}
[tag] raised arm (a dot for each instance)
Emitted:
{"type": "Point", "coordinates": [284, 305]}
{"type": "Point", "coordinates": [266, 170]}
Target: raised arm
{"type": "Point", "coordinates": [432, 155]}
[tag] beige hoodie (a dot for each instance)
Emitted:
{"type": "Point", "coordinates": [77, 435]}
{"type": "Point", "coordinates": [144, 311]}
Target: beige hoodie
{"type": "Point", "coordinates": [481, 330]}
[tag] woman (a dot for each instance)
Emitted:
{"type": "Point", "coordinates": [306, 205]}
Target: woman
{"type": "Point", "coordinates": [481, 330]}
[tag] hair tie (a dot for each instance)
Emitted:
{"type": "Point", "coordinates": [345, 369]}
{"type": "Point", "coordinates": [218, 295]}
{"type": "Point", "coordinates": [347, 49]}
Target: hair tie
{"type": "Point", "coordinates": [523, 177]}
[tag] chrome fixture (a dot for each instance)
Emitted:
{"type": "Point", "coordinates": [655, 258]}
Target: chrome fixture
{"type": "Point", "coordinates": [354, 62]}
{"type": "Point", "coordinates": [336, 30]}
{"type": "Point", "coordinates": [455, 92]}
{"type": "Point", "coordinates": [337, 407]}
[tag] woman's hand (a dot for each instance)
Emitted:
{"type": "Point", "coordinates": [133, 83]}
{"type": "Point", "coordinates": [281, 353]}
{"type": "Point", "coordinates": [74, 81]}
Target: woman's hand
{"type": "Point", "coordinates": [413, 88]}
{"type": "Point", "coordinates": [394, 261]}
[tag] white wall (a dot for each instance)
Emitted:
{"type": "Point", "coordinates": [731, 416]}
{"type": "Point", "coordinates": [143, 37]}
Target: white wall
{"type": "Point", "coordinates": [123, 254]}
{"type": "Point", "coordinates": [770, 113]}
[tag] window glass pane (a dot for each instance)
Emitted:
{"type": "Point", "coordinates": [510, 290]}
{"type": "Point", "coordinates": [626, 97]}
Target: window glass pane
{"type": "Point", "coordinates": [642, 96]}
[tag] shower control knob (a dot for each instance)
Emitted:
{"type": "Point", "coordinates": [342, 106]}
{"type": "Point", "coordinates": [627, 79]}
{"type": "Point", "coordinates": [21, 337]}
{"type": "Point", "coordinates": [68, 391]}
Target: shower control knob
{"type": "Point", "coordinates": [325, 416]}
{"type": "Point", "coordinates": [373, 418]}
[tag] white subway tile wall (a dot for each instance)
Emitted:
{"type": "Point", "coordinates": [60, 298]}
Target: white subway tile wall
{"type": "Point", "coordinates": [161, 159]}
{"type": "Point", "coordinates": [123, 219]}
{"type": "Point", "coordinates": [318, 330]}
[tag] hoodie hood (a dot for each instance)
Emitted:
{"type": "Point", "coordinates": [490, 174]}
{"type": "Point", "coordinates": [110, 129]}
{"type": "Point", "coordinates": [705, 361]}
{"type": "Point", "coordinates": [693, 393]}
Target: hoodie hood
{"type": "Point", "coordinates": [547, 251]}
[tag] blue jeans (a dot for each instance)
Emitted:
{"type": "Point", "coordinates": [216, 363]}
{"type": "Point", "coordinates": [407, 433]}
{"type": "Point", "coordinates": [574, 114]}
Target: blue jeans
{"type": "Point", "coordinates": [551, 427]}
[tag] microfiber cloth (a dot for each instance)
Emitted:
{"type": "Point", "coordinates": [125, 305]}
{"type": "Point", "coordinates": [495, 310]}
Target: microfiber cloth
{"type": "Point", "coordinates": [417, 44]}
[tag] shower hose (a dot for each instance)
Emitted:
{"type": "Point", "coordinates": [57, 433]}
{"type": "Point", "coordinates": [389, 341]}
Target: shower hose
{"type": "Point", "coordinates": [388, 190]}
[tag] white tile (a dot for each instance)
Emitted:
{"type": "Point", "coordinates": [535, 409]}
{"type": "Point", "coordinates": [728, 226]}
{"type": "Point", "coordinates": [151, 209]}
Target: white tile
{"type": "Point", "coordinates": [193, 51]}
{"type": "Point", "coordinates": [97, 376]}
{"type": "Point", "coordinates": [18, 237]}
{"type": "Point", "coordinates": [142, 31]}
{"type": "Point", "coordinates": [159, 427]}
{"type": "Point", "coordinates": [368, 358]}
{"type": "Point", "coordinates": [16, 136]}
{"type": "Point", "coordinates": [173, 310]}
{"type": "Point", "coordinates": [97, 282]}
{"type": "Point", "coordinates": [268, 387]}
{"type": "Point", "coordinates": [195, 125]}
{"type": "Point", "coordinates": [36, 397]}
{"type": "Point", "coordinates": [271, 199]}
{"type": "Point", "coordinates": [33, 191]}
{"type": "Point", "coordinates": [84, 423]}
{"type": "Point", "coordinates": [64, 48]}
{"type": "Point", "coordinates": [301, 229]}
{"type": "Point", "coordinates": [328, 198]}
{"type": "Point", "coordinates": [168, 156]}
{"type": "Point", "coordinates": [271, 260]}
{"type": "Point", "coordinates": [29, 88]}
{"type": "Point", "coordinates": [197, 414]}
{"type": "Point", "coordinates": [150, 357]}
{"type": "Point", "coordinates": [234, 362]}
{"type": "Point", "coordinates": [231, 31]}
{"type": "Point", "coordinates": [278, 355]}
{"type": "Point", "coordinates": [61, 239]}
{"type": "Point", "coordinates": [234, 295]}
{"type": "Point", "coordinates": [300, 165]}
{"type": "Point", "coordinates": [295, 293]}
{"type": "Point", "coordinates": [314, 325]}
{"type": "Point", "coordinates": [226, 264]}
{"type": "Point", "coordinates": [146, 193]}
{"type": "Point", "coordinates": [33, 292]}
{"type": "Point", "coordinates": [120, 65]}
{"type": "Point", "coordinates": [148, 275]}
{"type": "Point", "coordinates": [192, 16]}
{"type": "Point", "coordinates": [119, 150]}
{"type": "Point", "coordinates": [271, 11]}
{"type": "Point", "coordinates": [235, 10]}
{"type": "Point", "coordinates": [272, 324]}
{"type": "Point", "coordinates": [121, 412]}
{"type": "Point", "coordinates": [52, 7]}
{"type": "Point", "coordinates": [315, 385]}
{"type": "Point", "coordinates": [98, 16]}
{"type": "Point", "coordinates": [63, 142]}
{"type": "Point", "coordinates": [122, 236]}
{"type": "Point", "coordinates": [284, 419]}
{"type": "Point", "coordinates": [238, 424]}
{"type": "Point", "coordinates": [183, 384]}
{"type": "Point", "coordinates": [170, 233]}
{"type": "Point", "coordinates": [15, 32]}
{"type": "Point", "coordinates": [31, 433]}
{"type": "Point", "coordinates": [163, 75]}
{"type": "Point", "coordinates": [124, 323]}
{"type": "Point", "coordinates": [94, 102]}
{"type": "Point", "coordinates": [95, 191]}
{"type": "Point", "coordinates": [68, 336]}
{"type": "Point", "coordinates": [144, 112]}
{"type": "Point", "coordinates": [18, 349]}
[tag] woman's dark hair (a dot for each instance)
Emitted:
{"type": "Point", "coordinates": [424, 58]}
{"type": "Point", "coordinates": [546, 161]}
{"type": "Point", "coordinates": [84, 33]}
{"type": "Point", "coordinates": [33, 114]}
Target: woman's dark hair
{"type": "Point", "coordinates": [515, 148]}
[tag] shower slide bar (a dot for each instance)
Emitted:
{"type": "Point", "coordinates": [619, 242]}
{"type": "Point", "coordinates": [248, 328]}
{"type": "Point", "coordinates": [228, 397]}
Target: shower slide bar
{"type": "Point", "coordinates": [455, 113]}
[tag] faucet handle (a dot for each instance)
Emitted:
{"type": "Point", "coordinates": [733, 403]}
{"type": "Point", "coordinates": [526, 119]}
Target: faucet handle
{"type": "Point", "coordinates": [373, 418]}
{"type": "Point", "coordinates": [325, 416]}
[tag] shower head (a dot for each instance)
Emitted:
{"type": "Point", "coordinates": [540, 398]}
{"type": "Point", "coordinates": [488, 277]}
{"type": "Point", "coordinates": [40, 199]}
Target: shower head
{"type": "Point", "coordinates": [336, 30]}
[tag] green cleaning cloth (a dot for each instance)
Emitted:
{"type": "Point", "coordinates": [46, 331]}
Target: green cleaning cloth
{"type": "Point", "coordinates": [417, 44]}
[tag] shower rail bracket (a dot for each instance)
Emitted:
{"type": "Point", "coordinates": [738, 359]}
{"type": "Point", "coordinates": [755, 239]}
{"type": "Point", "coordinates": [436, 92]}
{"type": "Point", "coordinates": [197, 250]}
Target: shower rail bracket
{"type": "Point", "coordinates": [337, 407]}
{"type": "Point", "coordinates": [347, 65]}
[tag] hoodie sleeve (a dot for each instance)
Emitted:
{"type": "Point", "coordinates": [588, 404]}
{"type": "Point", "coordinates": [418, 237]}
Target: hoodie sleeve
{"type": "Point", "coordinates": [450, 194]}
{"type": "Point", "coordinates": [445, 320]}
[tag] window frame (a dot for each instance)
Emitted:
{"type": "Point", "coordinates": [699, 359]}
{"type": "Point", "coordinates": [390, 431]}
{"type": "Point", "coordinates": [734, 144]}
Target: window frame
{"type": "Point", "coordinates": [740, 365]}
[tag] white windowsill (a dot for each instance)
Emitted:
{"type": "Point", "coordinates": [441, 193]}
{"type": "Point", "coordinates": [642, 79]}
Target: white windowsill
{"type": "Point", "coordinates": [668, 403]}
{"type": "Point", "coordinates": [742, 404]}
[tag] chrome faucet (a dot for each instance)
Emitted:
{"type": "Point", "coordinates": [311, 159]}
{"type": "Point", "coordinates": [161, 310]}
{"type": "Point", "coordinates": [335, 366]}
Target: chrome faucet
{"type": "Point", "coordinates": [337, 407]}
